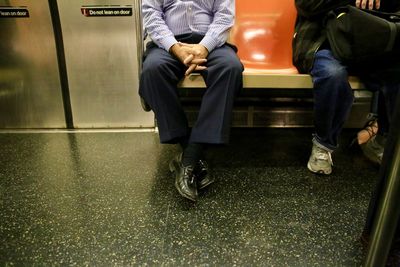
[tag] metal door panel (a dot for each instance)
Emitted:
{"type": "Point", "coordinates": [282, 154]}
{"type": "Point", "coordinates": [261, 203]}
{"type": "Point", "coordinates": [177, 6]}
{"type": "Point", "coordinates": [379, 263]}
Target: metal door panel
{"type": "Point", "coordinates": [30, 89]}
{"type": "Point", "coordinates": [103, 65]}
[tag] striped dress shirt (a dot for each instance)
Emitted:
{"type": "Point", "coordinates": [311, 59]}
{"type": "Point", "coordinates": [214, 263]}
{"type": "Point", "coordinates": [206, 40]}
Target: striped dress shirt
{"type": "Point", "coordinates": [164, 19]}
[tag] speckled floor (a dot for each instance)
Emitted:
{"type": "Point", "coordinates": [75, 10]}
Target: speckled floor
{"type": "Point", "coordinates": [104, 199]}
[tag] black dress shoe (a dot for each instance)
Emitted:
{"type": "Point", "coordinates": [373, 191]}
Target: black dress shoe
{"type": "Point", "coordinates": [185, 180]}
{"type": "Point", "coordinates": [201, 173]}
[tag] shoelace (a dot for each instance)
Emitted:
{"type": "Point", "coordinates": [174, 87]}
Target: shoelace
{"type": "Point", "coordinates": [189, 172]}
{"type": "Point", "coordinates": [324, 155]}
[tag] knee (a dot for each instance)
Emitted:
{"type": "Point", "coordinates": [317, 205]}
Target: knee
{"type": "Point", "coordinates": [234, 66]}
{"type": "Point", "coordinates": [150, 68]}
{"type": "Point", "coordinates": [334, 73]}
{"type": "Point", "coordinates": [158, 64]}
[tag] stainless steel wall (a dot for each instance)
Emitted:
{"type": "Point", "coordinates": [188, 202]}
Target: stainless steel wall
{"type": "Point", "coordinates": [30, 90]}
{"type": "Point", "coordinates": [102, 62]}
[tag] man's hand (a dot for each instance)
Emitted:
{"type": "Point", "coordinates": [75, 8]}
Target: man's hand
{"type": "Point", "coordinates": [369, 4]}
{"type": "Point", "coordinates": [190, 55]}
{"type": "Point", "coordinates": [199, 54]}
{"type": "Point", "coordinates": [198, 50]}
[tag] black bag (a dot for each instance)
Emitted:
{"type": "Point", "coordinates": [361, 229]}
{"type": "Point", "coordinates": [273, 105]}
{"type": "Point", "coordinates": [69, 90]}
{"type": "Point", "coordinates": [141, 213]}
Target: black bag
{"type": "Point", "coordinates": [358, 37]}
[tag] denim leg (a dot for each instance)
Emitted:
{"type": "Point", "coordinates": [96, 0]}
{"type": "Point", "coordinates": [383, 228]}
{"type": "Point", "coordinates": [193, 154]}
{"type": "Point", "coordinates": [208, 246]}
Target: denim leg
{"type": "Point", "coordinates": [333, 98]}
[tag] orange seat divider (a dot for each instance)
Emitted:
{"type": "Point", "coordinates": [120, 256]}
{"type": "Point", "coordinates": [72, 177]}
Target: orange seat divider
{"type": "Point", "coordinates": [263, 33]}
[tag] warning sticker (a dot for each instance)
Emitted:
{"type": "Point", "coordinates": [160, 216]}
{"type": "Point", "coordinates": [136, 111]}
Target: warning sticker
{"type": "Point", "coordinates": [13, 12]}
{"type": "Point", "coordinates": [106, 11]}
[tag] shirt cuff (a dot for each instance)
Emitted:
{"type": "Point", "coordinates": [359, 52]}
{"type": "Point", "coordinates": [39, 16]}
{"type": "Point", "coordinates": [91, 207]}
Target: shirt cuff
{"type": "Point", "coordinates": [209, 43]}
{"type": "Point", "coordinates": [168, 42]}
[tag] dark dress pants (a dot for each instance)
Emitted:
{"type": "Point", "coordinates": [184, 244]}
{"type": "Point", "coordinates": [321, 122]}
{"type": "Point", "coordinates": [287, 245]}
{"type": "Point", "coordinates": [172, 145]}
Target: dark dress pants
{"type": "Point", "coordinates": [158, 86]}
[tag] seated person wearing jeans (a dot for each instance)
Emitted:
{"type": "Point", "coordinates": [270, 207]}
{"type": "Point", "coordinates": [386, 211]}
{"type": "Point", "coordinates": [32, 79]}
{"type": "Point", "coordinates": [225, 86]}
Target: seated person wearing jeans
{"type": "Point", "coordinates": [333, 96]}
{"type": "Point", "coordinates": [190, 36]}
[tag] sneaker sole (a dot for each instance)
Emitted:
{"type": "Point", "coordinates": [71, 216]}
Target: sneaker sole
{"type": "Point", "coordinates": [317, 171]}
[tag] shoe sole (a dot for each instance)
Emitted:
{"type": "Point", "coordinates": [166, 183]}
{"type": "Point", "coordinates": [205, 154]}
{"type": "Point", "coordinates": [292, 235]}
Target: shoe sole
{"type": "Point", "coordinates": [183, 194]}
{"type": "Point", "coordinates": [317, 171]}
{"type": "Point", "coordinates": [173, 170]}
{"type": "Point", "coordinates": [206, 185]}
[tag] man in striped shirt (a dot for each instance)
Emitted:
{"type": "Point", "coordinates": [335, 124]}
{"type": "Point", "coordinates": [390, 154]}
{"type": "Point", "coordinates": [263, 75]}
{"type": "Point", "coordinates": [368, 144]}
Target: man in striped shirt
{"type": "Point", "coordinates": [190, 36]}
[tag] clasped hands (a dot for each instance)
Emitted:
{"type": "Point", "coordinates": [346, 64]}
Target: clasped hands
{"type": "Point", "coordinates": [369, 4]}
{"type": "Point", "coordinates": [191, 55]}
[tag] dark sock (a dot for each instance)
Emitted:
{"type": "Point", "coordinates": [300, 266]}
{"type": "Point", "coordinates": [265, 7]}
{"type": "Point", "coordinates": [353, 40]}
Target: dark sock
{"type": "Point", "coordinates": [192, 154]}
{"type": "Point", "coordinates": [183, 142]}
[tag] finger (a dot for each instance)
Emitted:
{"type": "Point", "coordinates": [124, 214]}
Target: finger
{"type": "Point", "coordinates": [377, 4]}
{"type": "Point", "coordinates": [198, 61]}
{"type": "Point", "coordinates": [188, 59]}
{"type": "Point", "coordinates": [364, 4]}
{"type": "Point", "coordinates": [200, 67]}
{"type": "Point", "coordinates": [371, 4]}
{"type": "Point", "coordinates": [191, 68]}
{"type": "Point", "coordinates": [358, 3]}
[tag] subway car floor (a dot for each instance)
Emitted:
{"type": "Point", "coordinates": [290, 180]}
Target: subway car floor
{"type": "Point", "coordinates": [107, 198]}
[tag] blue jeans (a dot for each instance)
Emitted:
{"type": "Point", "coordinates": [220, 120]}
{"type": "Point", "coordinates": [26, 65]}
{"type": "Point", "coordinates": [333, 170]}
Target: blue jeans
{"type": "Point", "coordinates": [333, 99]}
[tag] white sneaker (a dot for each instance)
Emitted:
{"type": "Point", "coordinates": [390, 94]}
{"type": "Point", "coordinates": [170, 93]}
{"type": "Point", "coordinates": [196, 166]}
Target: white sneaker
{"type": "Point", "coordinates": [320, 161]}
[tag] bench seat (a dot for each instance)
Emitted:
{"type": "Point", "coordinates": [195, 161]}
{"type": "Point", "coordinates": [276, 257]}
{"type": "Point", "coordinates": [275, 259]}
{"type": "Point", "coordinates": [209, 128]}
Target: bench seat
{"type": "Point", "coordinates": [263, 80]}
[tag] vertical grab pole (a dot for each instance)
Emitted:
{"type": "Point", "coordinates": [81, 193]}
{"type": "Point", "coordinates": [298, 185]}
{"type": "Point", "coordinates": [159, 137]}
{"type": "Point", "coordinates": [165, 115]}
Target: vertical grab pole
{"type": "Point", "coordinates": [55, 17]}
{"type": "Point", "coordinates": [387, 217]}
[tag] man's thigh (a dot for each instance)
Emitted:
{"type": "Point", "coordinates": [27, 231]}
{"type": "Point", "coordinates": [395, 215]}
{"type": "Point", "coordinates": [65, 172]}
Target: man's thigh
{"type": "Point", "coordinates": [157, 58]}
{"type": "Point", "coordinates": [224, 57]}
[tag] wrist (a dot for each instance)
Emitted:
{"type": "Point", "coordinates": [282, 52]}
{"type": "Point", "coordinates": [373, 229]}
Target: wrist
{"type": "Point", "coordinates": [173, 49]}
